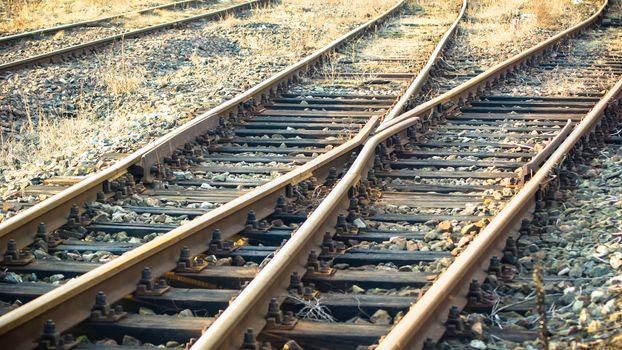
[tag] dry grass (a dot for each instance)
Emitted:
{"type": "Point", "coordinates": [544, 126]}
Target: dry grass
{"type": "Point", "coordinates": [409, 44]}
{"type": "Point", "coordinates": [137, 20]}
{"type": "Point", "coordinates": [55, 138]}
{"type": "Point", "coordinates": [119, 77]}
{"type": "Point", "coordinates": [230, 21]}
{"type": "Point", "coordinates": [489, 27]}
{"type": "Point", "coordinates": [548, 13]}
{"type": "Point", "coordinates": [438, 11]}
{"type": "Point", "coordinates": [23, 15]}
{"type": "Point", "coordinates": [45, 139]}
{"type": "Point", "coordinates": [122, 79]}
{"type": "Point", "coordinates": [309, 14]}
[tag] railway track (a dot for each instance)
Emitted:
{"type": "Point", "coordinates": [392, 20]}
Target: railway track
{"type": "Point", "coordinates": [426, 187]}
{"type": "Point", "coordinates": [297, 131]}
{"type": "Point", "coordinates": [70, 40]}
{"type": "Point", "coordinates": [430, 185]}
{"type": "Point", "coordinates": [10, 37]}
{"type": "Point", "coordinates": [571, 244]}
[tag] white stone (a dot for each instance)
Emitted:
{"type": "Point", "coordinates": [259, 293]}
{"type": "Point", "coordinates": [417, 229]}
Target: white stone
{"type": "Point", "coordinates": [477, 344]}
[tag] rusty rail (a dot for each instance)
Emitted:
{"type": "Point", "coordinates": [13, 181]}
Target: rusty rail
{"type": "Point", "coordinates": [534, 164]}
{"type": "Point", "coordinates": [17, 36]}
{"type": "Point", "coordinates": [250, 306]}
{"type": "Point", "coordinates": [53, 211]}
{"type": "Point", "coordinates": [80, 48]}
{"type": "Point", "coordinates": [481, 82]}
{"type": "Point", "coordinates": [452, 285]}
{"type": "Point", "coordinates": [120, 276]}
{"type": "Point", "coordinates": [417, 84]}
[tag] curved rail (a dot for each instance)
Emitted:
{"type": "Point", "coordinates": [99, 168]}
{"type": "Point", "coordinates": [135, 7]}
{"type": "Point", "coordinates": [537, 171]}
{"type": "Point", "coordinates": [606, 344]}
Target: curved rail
{"type": "Point", "coordinates": [251, 304]}
{"type": "Point", "coordinates": [198, 126]}
{"type": "Point", "coordinates": [17, 36]}
{"type": "Point", "coordinates": [49, 56]}
{"type": "Point", "coordinates": [240, 316]}
{"type": "Point", "coordinates": [423, 75]}
{"type": "Point", "coordinates": [19, 326]}
{"type": "Point", "coordinates": [23, 226]}
{"type": "Point", "coordinates": [499, 71]}
{"type": "Point", "coordinates": [410, 332]}
{"type": "Point", "coordinates": [121, 275]}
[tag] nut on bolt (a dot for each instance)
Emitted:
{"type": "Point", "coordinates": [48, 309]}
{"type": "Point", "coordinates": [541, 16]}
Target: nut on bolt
{"type": "Point", "coordinates": [276, 319]}
{"type": "Point", "coordinates": [52, 340]}
{"type": "Point", "coordinates": [186, 263]}
{"type": "Point", "coordinates": [295, 284]}
{"type": "Point", "coordinates": [250, 343]}
{"type": "Point", "coordinates": [16, 257]}
{"type": "Point", "coordinates": [455, 326]}
{"type": "Point", "coordinates": [149, 286]}
{"type": "Point", "coordinates": [102, 312]}
{"type": "Point", "coordinates": [331, 178]}
{"type": "Point", "coordinates": [313, 263]}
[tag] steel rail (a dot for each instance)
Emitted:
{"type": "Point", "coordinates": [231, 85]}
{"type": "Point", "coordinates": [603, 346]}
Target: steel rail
{"type": "Point", "coordinates": [120, 276]}
{"type": "Point", "coordinates": [80, 48]}
{"type": "Point", "coordinates": [17, 36]}
{"type": "Point", "coordinates": [451, 286]}
{"type": "Point", "coordinates": [499, 71]}
{"type": "Point", "coordinates": [249, 308]}
{"type": "Point", "coordinates": [534, 164]}
{"type": "Point", "coordinates": [198, 126]}
{"type": "Point", "coordinates": [422, 77]}
{"type": "Point", "coordinates": [53, 211]}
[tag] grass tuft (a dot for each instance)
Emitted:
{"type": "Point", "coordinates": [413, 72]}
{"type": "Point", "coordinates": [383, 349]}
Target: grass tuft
{"type": "Point", "coordinates": [24, 15]}
{"type": "Point", "coordinates": [121, 78]}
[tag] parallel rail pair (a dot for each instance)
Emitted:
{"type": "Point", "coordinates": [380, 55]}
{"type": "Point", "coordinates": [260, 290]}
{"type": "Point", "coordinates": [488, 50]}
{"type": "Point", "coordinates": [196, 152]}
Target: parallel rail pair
{"type": "Point", "coordinates": [161, 254]}
{"type": "Point", "coordinates": [270, 281]}
{"type": "Point", "coordinates": [89, 46]}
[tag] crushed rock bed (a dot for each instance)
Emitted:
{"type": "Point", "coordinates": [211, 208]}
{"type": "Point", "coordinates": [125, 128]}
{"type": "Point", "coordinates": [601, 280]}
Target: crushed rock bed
{"type": "Point", "coordinates": [129, 93]}
{"type": "Point", "coordinates": [579, 250]}
{"type": "Point", "coordinates": [74, 36]}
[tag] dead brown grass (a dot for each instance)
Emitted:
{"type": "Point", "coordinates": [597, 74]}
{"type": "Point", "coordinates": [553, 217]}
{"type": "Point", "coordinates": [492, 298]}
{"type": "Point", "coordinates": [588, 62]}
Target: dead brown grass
{"type": "Point", "coordinates": [52, 140]}
{"type": "Point", "coordinates": [138, 20]}
{"type": "Point", "coordinates": [230, 21]}
{"type": "Point", "coordinates": [119, 77]}
{"type": "Point", "coordinates": [34, 148]}
{"type": "Point", "coordinates": [489, 26]}
{"type": "Point", "coordinates": [122, 79]}
{"type": "Point", "coordinates": [24, 15]}
{"type": "Point", "coordinates": [549, 13]}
